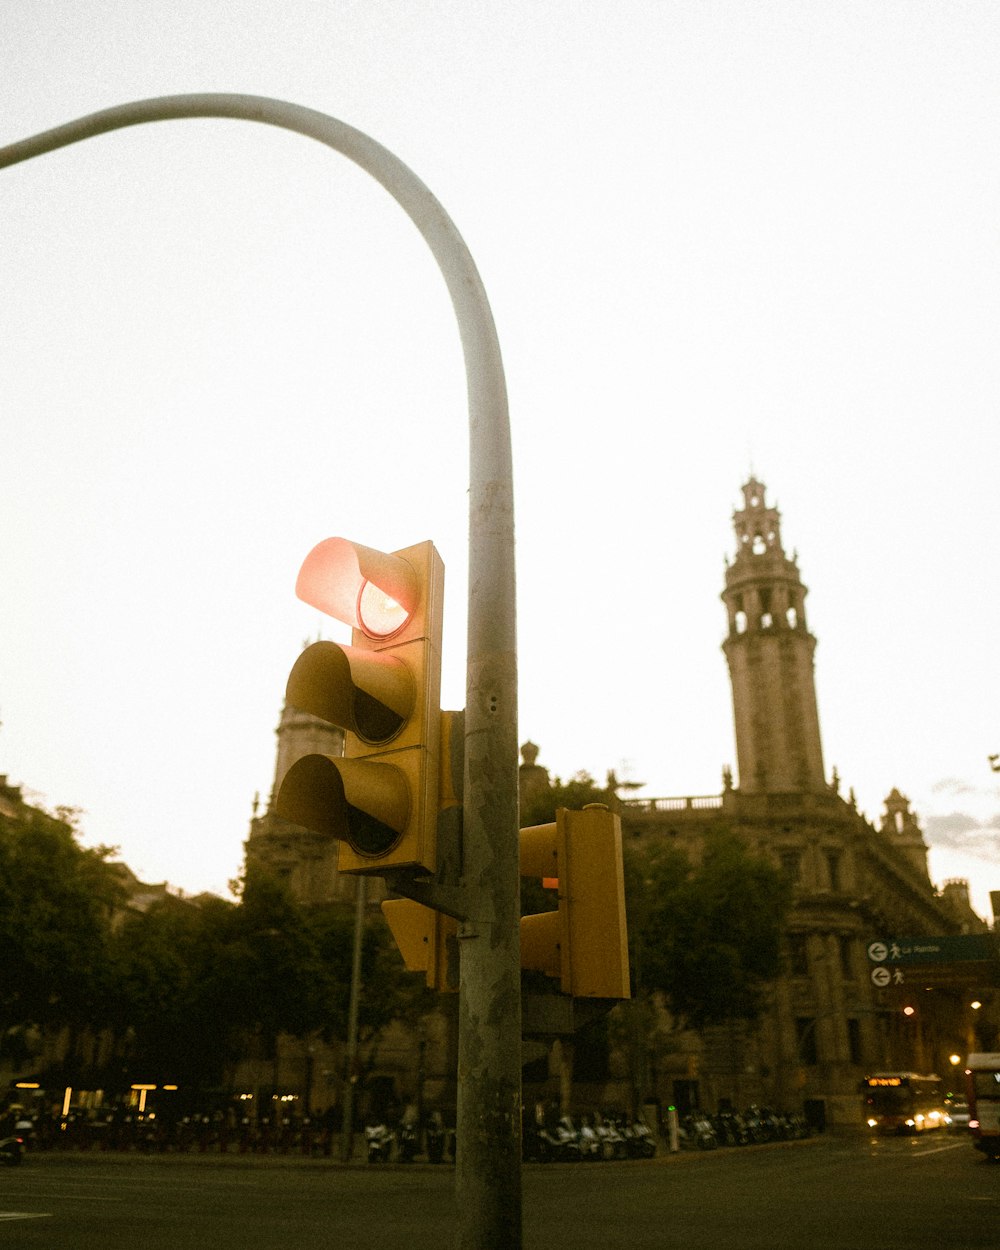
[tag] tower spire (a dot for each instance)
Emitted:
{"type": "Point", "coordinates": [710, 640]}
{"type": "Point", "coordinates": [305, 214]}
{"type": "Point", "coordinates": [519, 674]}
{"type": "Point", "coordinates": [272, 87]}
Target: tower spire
{"type": "Point", "coordinates": [770, 655]}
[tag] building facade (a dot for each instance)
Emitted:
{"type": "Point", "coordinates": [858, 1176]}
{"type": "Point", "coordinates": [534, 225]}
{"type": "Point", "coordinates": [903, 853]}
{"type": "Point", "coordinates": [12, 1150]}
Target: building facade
{"type": "Point", "coordinates": [306, 861]}
{"type": "Point", "coordinates": [853, 882]}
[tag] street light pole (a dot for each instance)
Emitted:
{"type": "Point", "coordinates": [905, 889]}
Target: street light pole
{"type": "Point", "coordinates": [489, 1078]}
{"type": "Point", "coordinates": [351, 1057]}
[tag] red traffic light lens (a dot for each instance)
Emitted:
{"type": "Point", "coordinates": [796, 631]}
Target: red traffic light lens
{"type": "Point", "coordinates": [379, 615]}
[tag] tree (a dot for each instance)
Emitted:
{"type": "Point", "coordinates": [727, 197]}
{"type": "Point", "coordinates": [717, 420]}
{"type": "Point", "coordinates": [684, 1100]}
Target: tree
{"type": "Point", "coordinates": [389, 991]}
{"type": "Point", "coordinates": [173, 1017]}
{"type": "Point", "coordinates": [56, 905]}
{"type": "Point", "coordinates": [708, 934]}
{"type": "Point", "coordinates": [574, 794]}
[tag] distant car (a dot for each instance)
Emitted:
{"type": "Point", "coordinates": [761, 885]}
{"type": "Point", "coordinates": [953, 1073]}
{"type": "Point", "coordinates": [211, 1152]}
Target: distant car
{"type": "Point", "coordinates": [956, 1115]}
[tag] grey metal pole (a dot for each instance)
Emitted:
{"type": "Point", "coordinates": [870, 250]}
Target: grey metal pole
{"type": "Point", "coordinates": [489, 1080]}
{"type": "Point", "coordinates": [350, 1061]}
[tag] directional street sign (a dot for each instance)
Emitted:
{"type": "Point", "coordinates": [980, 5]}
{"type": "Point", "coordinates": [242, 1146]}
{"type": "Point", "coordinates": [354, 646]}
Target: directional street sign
{"type": "Point", "coordinates": [957, 962]}
{"type": "Point", "coordinates": [967, 947]}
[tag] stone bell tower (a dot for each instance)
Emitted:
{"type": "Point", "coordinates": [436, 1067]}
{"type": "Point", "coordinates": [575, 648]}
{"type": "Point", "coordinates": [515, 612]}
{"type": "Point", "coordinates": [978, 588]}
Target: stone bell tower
{"type": "Point", "coordinates": [770, 655]}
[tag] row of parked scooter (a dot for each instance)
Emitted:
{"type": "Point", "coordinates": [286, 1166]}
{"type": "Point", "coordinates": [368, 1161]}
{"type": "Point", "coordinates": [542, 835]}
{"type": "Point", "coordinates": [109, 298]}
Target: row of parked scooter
{"type": "Point", "coordinates": [403, 1144]}
{"type": "Point", "coordinates": [596, 1138]}
{"type": "Point", "coordinates": [698, 1131]}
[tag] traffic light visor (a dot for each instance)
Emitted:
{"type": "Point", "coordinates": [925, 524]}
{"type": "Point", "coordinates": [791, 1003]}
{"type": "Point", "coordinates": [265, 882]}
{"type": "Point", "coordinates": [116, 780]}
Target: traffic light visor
{"type": "Point", "coordinates": [369, 693]}
{"type": "Point", "coordinates": [366, 589]}
{"type": "Point", "coordinates": [364, 803]}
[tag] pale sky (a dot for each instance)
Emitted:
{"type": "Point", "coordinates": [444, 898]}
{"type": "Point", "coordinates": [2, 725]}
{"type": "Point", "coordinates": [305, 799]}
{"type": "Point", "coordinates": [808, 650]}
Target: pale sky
{"type": "Point", "coordinates": [715, 237]}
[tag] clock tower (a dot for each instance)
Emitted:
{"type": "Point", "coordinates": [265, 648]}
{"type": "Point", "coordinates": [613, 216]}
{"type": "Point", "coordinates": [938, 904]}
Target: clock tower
{"type": "Point", "coordinates": [769, 650]}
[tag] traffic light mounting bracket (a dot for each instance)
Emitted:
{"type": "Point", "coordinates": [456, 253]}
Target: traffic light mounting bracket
{"type": "Point", "coordinates": [443, 892]}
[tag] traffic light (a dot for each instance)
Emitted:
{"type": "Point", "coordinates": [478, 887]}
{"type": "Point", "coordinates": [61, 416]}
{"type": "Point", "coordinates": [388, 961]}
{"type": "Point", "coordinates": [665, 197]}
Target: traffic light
{"type": "Point", "coordinates": [427, 940]}
{"type": "Point", "coordinates": [585, 941]}
{"type": "Point", "coordinates": [380, 800]}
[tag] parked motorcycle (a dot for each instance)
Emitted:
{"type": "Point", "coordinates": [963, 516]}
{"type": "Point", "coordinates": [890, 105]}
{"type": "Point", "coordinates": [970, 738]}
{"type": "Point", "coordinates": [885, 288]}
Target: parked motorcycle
{"type": "Point", "coordinates": [759, 1128]}
{"type": "Point", "coordinates": [591, 1146]}
{"type": "Point", "coordinates": [436, 1138]}
{"type": "Point", "coordinates": [697, 1132]}
{"type": "Point", "coordinates": [380, 1139]}
{"type": "Point", "coordinates": [730, 1129]}
{"type": "Point", "coordinates": [611, 1138]}
{"type": "Point", "coordinates": [409, 1141]}
{"type": "Point", "coordinates": [560, 1143]}
{"type": "Point", "coordinates": [639, 1140]}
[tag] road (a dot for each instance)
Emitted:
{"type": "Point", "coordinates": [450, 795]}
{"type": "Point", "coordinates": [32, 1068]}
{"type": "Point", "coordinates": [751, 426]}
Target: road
{"type": "Point", "coordinates": [829, 1193]}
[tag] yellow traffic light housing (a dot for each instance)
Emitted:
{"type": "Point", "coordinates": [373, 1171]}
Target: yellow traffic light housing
{"type": "Point", "coordinates": [381, 799]}
{"type": "Point", "coordinates": [584, 943]}
{"type": "Point", "coordinates": [427, 941]}
{"type": "Point", "coordinates": [427, 937]}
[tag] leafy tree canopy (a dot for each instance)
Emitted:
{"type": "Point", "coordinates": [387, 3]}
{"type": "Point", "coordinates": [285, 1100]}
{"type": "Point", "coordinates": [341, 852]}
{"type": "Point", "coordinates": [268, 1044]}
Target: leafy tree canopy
{"type": "Point", "coordinates": [56, 901]}
{"type": "Point", "coordinates": [540, 807]}
{"type": "Point", "coordinates": [707, 934]}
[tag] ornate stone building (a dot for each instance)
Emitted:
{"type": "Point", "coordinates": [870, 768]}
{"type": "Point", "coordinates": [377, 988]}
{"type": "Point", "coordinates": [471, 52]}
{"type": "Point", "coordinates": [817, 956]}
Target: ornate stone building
{"type": "Point", "coordinates": [304, 859]}
{"type": "Point", "coordinates": [852, 882]}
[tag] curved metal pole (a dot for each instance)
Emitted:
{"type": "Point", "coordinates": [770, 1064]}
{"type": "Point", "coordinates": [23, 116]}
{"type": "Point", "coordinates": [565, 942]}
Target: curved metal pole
{"type": "Point", "coordinates": [489, 1181]}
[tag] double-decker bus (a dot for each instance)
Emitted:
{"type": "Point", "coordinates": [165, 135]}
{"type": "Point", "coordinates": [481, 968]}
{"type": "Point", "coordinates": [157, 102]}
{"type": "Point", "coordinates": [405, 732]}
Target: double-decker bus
{"type": "Point", "coordinates": [982, 1078]}
{"type": "Point", "coordinates": [903, 1102]}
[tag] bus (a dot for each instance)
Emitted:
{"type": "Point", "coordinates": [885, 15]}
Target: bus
{"type": "Point", "coordinates": [903, 1102]}
{"type": "Point", "coordinates": [982, 1079]}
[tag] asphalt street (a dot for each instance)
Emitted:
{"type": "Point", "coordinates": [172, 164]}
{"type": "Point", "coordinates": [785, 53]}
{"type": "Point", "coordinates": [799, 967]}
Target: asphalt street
{"type": "Point", "coordinates": [828, 1193]}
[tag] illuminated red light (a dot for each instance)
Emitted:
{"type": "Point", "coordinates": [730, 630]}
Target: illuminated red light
{"type": "Point", "coordinates": [379, 615]}
{"type": "Point", "coordinates": [366, 589]}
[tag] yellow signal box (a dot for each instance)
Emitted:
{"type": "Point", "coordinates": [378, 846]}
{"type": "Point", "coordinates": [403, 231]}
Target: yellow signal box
{"type": "Point", "coordinates": [380, 800]}
{"type": "Point", "coordinates": [584, 942]}
{"type": "Point", "coordinates": [427, 940]}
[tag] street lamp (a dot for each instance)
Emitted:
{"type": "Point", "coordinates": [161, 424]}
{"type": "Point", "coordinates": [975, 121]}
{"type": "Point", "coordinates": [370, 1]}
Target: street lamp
{"type": "Point", "coordinates": [489, 1079]}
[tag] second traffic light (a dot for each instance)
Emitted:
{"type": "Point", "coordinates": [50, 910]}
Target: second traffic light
{"type": "Point", "coordinates": [584, 942]}
{"type": "Point", "coordinates": [427, 941]}
{"type": "Point", "coordinates": [380, 800]}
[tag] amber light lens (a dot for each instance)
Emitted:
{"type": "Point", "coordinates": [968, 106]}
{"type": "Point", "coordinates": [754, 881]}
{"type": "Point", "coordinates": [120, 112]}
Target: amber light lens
{"type": "Point", "coordinates": [380, 615]}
